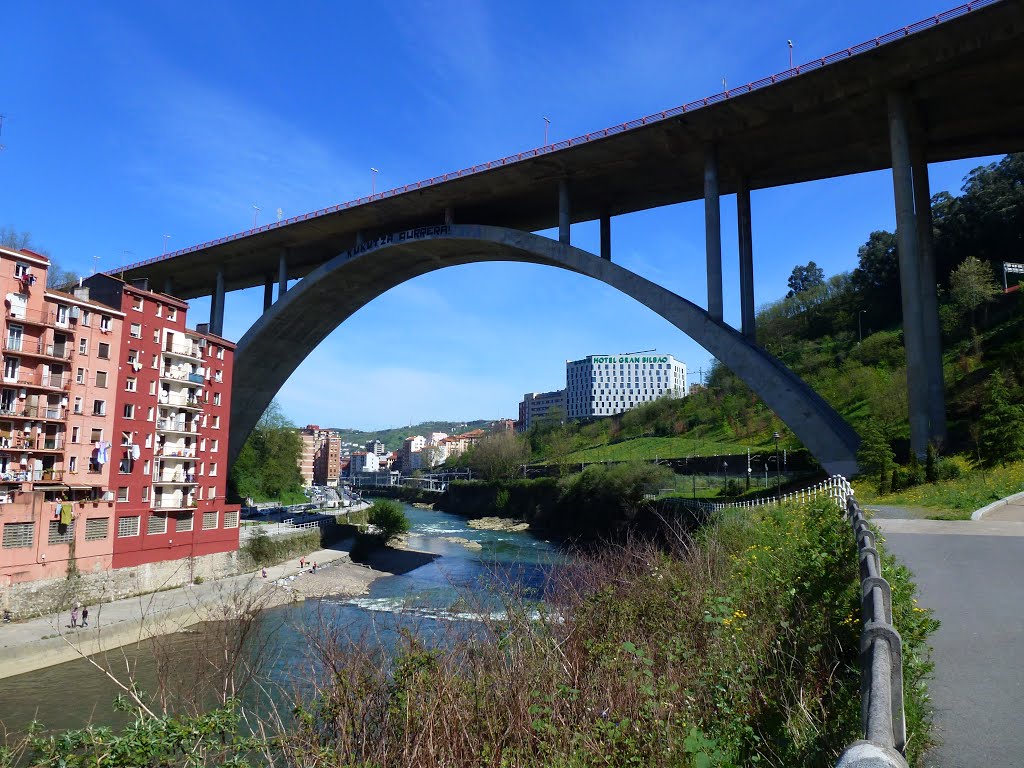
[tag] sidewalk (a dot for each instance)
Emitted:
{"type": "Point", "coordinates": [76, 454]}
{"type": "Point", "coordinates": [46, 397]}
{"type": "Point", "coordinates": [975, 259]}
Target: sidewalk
{"type": "Point", "coordinates": [49, 640]}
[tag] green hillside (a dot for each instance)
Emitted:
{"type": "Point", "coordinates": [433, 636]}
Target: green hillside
{"type": "Point", "coordinates": [392, 438]}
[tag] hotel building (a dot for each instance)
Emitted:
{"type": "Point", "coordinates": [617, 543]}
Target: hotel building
{"type": "Point", "coordinates": [604, 385]}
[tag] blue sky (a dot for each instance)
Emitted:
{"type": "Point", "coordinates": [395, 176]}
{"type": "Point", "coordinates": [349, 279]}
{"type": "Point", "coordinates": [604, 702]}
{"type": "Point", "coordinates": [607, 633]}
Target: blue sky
{"type": "Point", "coordinates": [126, 122]}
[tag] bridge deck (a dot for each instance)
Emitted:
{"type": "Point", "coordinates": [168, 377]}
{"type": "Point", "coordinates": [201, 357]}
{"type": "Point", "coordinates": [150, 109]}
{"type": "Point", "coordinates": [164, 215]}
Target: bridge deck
{"type": "Point", "coordinates": [963, 74]}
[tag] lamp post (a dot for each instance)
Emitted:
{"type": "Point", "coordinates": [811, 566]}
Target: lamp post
{"type": "Point", "coordinates": [860, 332]}
{"type": "Point", "coordinates": [255, 212]}
{"type": "Point", "coordinates": [725, 478]}
{"type": "Point", "coordinates": [373, 182]}
{"type": "Point", "coordinates": [790, 44]}
{"type": "Point", "coordinates": [778, 469]}
{"type": "Point", "coordinates": [547, 123]}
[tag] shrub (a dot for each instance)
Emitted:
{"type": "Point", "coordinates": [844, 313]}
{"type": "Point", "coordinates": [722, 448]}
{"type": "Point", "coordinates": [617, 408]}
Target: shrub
{"type": "Point", "coordinates": [389, 520]}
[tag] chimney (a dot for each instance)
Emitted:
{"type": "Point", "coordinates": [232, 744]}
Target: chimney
{"type": "Point", "coordinates": [202, 327]}
{"type": "Point", "coordinates": [82, 292]}
{"type": "Point", "coordinates": [142, 283]}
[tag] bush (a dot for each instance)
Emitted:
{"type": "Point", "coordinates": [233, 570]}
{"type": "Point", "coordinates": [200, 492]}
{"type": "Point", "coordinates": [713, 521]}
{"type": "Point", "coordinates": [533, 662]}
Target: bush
{"type": "Point", "coordinates": [389, 520]}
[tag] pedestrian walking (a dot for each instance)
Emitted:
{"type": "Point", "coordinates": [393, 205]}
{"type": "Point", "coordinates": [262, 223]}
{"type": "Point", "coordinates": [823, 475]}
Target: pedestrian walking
{"type": "Point", "coordinates": [74, 616]}
{"type": "Point", "coordinates": [85, 616]}
{"type": "Point", "coordinates": [314, 566]}
{"type": "Point", "coordinates": [264, 573]}
{"type": "Point", "coordinates": [302, 562]}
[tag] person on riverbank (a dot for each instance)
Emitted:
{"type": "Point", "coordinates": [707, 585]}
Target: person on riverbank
{"type": "Point", "coordinates": [302, 562]}
{"type": "Point", "coordinates": [314, 566]}
{"type": "Point", "coordinates": [264, 573]}
{"type": "Point", "coordinates": [74, 617]}
{"type": "Point", "coordinates": [85, 616]}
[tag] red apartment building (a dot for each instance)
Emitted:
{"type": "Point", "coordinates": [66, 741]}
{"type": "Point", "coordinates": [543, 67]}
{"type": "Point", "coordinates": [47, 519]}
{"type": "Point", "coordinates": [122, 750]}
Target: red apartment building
{"type": "Point", "coordinates": [168, 450]}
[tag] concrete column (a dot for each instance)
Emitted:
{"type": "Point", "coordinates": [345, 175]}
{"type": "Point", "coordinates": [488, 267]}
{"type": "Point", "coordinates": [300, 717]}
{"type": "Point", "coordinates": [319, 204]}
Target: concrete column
{"type": "Point", "coordinates": [268, 292]}
{"type": "Point", "coordinates": [449, 215]}
{"type": "Point", "coordinates": [282, 274]}
{"type": "Point", "coordinates": [359, 238]}
{"type": "Point", "coordinates": [746, 241]}
{"type": "Point", "coordinates": [929, 297]}
{"type": "Point", "coordinates": [563, 211]}
{"type": "Point", "coordinates": [910, 273]}
{"type": "Point", "coordinates": [217, 305]}
{"type": "Point", "coordinates": [713, 233]}
{"type": "Point", "coordinates": [606, 236]}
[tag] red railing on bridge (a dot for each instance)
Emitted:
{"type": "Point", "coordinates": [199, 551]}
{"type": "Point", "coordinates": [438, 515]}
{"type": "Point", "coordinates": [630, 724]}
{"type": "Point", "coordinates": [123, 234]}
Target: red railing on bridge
{"type": "Point", "coordinates": [764, 82]}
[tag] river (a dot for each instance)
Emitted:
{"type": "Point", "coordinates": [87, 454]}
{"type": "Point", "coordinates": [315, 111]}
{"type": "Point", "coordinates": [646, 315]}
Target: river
{"type": "Point", "coordinates": [438, 593]}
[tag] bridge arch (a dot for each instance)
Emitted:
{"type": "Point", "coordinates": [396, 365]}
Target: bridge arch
{"type": "Point", "coordinates": [293, 327]}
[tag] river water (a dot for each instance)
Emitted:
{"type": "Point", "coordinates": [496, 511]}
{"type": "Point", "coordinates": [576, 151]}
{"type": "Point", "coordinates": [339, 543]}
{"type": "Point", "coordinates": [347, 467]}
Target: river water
{"type": "Point", "coordinates": [424, 600]}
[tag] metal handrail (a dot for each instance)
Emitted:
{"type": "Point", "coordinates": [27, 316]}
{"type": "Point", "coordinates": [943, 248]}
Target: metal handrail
{"type": "Point", "coordinates": [729, 93]}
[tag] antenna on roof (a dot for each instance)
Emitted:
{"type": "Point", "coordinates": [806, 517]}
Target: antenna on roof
{"type": "Point", "coordinates": [95, 264]}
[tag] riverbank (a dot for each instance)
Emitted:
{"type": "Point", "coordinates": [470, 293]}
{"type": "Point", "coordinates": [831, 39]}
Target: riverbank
{"type": "Point", "coordinates": [50, 640]}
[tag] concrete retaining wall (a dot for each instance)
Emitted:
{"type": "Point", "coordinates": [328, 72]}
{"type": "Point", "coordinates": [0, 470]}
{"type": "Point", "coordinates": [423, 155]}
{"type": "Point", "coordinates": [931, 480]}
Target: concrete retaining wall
{"type": "Point", "coordinates": [36, 598]}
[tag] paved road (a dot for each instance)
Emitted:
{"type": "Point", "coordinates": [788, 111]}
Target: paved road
{"type": "Point", "coordinates": [971, 573]}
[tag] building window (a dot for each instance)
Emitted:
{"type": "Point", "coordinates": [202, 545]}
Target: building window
{"type": "Point", "coordinates": [149, 414]}
{"type": "Point", "coordinates": [137, 303]}
{"type": "Point", "coordinates": [216, 398]}
{"type": "Point", "coordinates": [101, 379]}
{"type": "Point", "coordinates": [152, 387]}
{"type": "Point", "coordinates": [103, 350]}
{"type": "Point", "coordinates": [19, 535]}
{"type": "Point", "coordinates": [129, 411]}
{"type": "Point", "coordinates": [216, 422]}
{"type": "Point", "coordinates": [12, 365]}
{"type": "Point", "coordinates": [122, 493]}
{"type": "Point", "coordinates": [183, 522]}
{"type": "Point", "coordinates": [127, 527]}
{"type": "Point", "coordinates": [231, 519]}
{"type": "Point", "coordinates": [99, 408]}
{"type": "Point", "coordinates": [220, 353]}
{"type": "Point", "coordinates": [20, 270]}
{"type": "Point", "coordinates": [172, 314]}
{"type": "Point", "coordinates": [145, 467]}
{"type": "Point", "coordinates": [78, 405]}
{"type": "Point", "coordinates": [149, 441]}
{"type": "Point", "coordinates": [80, 376]}
{"type": "Point", "coordinates": [96, 528]}
{"type": "Point", "coordinates": [60, 534]}
{"type": "Point", "coordinates": [213, 469]}
{"type": "Point", "coordinates": [211, 493]}
{"type": "Point", "coordinates": [86, 317]}
{"type": "Point", "coordinates": [105, 323]}
{"type": "Point", "coordinates": [95, 436]}
{"type": "Point", "coordinates": [156, 335]}
{"type": "Point", "coordinates": [126, 438]}
{"type": "Point", "coordinates": [145, 493]}
{"type": "Point", "coordinates": [213, 446]}
{"type": "Point", "coordinates": [133, 357]}
{"type": "Point", "coordinates": [157, 523]}
{"type": "Point", "coordinates": [209, 521]}
{"type": "Point", "coordinates": [73, 463]}
{"type": "Point", "coordinates": [159, 309]}
{"type": "Point", "coordinates": [130, 384]}
{"type": "Point", "coordinates": [83, 346]}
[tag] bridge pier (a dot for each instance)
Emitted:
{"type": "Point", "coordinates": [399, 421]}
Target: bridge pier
{"type": "Point", "coordinates": [910, 272]}
{"type": "Point", "coordinates": [169, 286]}
{"type": "Point", "coordinates": [929, 297]}
{"type": "Point", "coordinates": [268, 292]}
{"type": "Point", "coordinates": [746, 243]}
{"type": "Point", "coordinates": [563, 211]}
{"type": "Point", "coordinates": [606, 236]}
{"type": "Point", "coordinates": [713, 232]}
{"type": "Point", "coordinates": [282, 273]}
{"type": "Point", "coordinates": [217, 305]}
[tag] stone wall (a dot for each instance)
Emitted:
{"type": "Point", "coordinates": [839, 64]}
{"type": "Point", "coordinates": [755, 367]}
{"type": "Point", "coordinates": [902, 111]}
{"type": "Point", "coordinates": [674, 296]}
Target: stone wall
{"type": "Point", "coordinates": [34, 598]}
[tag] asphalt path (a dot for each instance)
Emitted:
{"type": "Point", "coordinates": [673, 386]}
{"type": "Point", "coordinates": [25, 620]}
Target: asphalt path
{"type": "Point", "coordinates": [971, 573]}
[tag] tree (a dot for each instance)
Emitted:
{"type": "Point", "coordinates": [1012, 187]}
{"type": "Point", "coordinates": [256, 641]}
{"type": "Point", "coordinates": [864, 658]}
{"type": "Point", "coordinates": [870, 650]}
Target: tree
{"type": "Point", "coordinates": [56, 276]}
{"type": "Point", "coordinates": [875, 456]}
{"type": "Point", "coordinates": [499, 456]}
{"type": "Point", "coordinates": [268, 464]}
{"type": "Point", "coordinates": [973, 284]}
{"type": "Point", "coordinates": [389, 519]}
{"type": "Point", "coordinates": [1001, 437]}
{"type": "Point", "coordinates": [805, 278]}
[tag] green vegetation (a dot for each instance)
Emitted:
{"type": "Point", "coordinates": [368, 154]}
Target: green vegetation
{"type": "Point", "coordinates": [267, 468]}
{"type": "Point", "coordinates": [389, 520]}
{"type": "Point", "coordinates": [393, 438]}
{"type": "Point", "coordinates": [262, 550]}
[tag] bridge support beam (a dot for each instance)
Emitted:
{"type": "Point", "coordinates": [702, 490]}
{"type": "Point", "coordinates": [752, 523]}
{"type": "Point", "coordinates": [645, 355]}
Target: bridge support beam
{"type": "Point", "coordinates": [282, 273]}
{"type": "Point", "coordinates": [910, 271]}
{"type": "Point", "coordinates": [449, 215]}
{"type": "Point", "coordinates": [268, 292]}
{"type": "Point", "coordinates": [929, 297]}
{"type": "Point", "coordinates": [217, 305]}
{"type": "Point", "coordinates": [746, 242]}
{"type": "Point", "coordinates": [563, 211]}
{"type": "Point", "coordinates": [713, 232]}
{"type": "Point", "coordinates": [606, 236]}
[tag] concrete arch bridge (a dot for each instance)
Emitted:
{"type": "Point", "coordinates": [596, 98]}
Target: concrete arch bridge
{"type": "Point", "coordinates": [292, 327]}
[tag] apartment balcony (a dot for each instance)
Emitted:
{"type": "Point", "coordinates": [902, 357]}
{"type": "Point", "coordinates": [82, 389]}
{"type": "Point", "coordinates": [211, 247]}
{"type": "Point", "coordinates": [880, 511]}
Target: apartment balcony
{"type": "Point", "coordinates": [45, 317]}
{"type": "Point", "coordinates": [34, 348]}
{"type": "Point", "coordinates": [168, 425]}
{"type": "Point", "coordinates": [183, 350]}
{"type": "Point", "coordinates": [41, 380]}
{"type": "Point", "coordinates": [176, 454]}
{"type": "Point", "coordinates": [32, 476]}
{"type": "Point", "coordinates": [181, 376]}
{"type": "Point", "coordinates": [35, 412]}
{"type": "Point", "coordinates": [42, 443]}
{"type": "Point", "coordinates": [188, 403]}
{"type": "Point", "coordinates": [174, 504]}
{"type": "Point", "coordinates": [175, 478]}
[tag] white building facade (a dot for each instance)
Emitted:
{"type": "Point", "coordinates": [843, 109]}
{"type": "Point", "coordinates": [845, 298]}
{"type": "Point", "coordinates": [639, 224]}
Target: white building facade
{"type": "Point", "coordinates": [603, 385]}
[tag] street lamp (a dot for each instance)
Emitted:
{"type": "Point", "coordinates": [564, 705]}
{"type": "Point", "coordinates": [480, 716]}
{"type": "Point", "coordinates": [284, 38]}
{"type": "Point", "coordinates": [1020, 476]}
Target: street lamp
{"type": "Point", "coordinates": [547, 123]}
{"type": "Point", "coordinates": [725, 478]}
{"type": "Point", "coordinates": [860, 333]}
{"type": "Point", "coordinates": [373, 182]}
{"type": "Point", "coordinates": [255, 212]}
{"type": "Point", "coordinates": [790, 44]}
{"type": "Point", "coordinates": [166, 238]}
{"type": "Point", "coordinates": [778, 469]}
